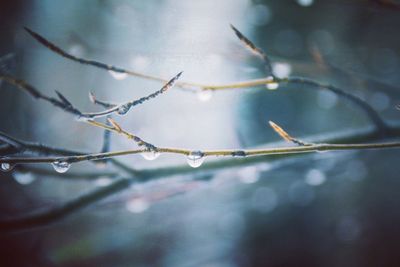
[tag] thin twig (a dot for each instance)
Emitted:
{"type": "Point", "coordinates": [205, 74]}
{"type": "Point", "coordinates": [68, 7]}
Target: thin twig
{"type": "Point", "coordinates": [256, 50]}
{"type": "Point", "coordinates": [51, 215]}
{"type": "Point", "coordinates": [115, 127]}
{"type": "Point", "coordinates": [282, 133]}
{"type": "Point", "coordinates": [66, 105]}
{"type": "Point", "coordinates": [205, 153]}
{"type": "Point", "coordinates": [47, 216]}
{"type": "Point", "coordinates": [371, 113]}
{"type": "Point", "coordinates": [42, 149]}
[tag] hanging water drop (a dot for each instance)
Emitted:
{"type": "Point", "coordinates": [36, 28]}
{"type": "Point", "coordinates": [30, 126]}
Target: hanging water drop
{"type": "Point", "coordinates": [118, 75]}
{"type": "Point", "coordinates": [150, 155]}
{"type": "Point", "coordinates": [204, 95]}
{"type": "Point", "coordinates": [272, 86]}
{"type": "Point", "coordinates": [82, 118]}
{"type": "Point", "coordinates": [6, 167]}
{"type": "Point", "coordinates": [123, 109]}
{"type": "Point", "coordinates": [195, 159]}
{"type": "Point", "coordinates": [61, 166]}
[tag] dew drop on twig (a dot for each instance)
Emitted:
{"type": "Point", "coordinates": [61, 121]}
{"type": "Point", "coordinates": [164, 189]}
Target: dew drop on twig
{"type": "Point", "coordinates": [6, 167]}
{"type": "Point", "coordinates": [118, 75]}
{"type": "Point", "coordinates": [61, 166]}
{"type": "Point", "coordinates": [272, 86]}
{"type": "Point", "coordinates": [195, 159]}
{"type": "Point", "coordinates": [150, 155]}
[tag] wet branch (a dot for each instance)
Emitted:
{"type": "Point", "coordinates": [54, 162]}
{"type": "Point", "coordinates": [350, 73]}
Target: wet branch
{"type": "Point", "coordinates": [45, 217]}
{"type": "Point", "coordinates": [272, 79]}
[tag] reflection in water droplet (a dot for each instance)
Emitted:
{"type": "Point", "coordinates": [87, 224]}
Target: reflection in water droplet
{"type": "Point", "coordinates": [195, 159]}
{"type": "Point", "coordinates": [24, 178]}
{"type": "Point", "coordinates": [315, 177]}
{"type": "Point", "coordinates": [6, 167]}
{"type": "Point", "coordinates": [123, 109]}
{"type": "Point", "coordinates": [118, 75]}
{"type": "Point", "coordinates": [137, 205]}
{"type": "Point", "coordinates": [150, 155]}
{"type": "Point", "coordinates": [61, 166]}
{"type": "Point", "coordinates": [204, 95]}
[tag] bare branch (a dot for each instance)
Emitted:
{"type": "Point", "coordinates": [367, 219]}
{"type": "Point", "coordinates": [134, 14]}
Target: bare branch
{"type": "Point", "coordinates": [66, 105]}
{"type": "Point", "coordinates": [257, 51]}
{"type": "Point", "coordinates": [51, 215]}
{"type": "Point", "coordinates": [42, 149]}
{"type": "Point", "coordinates": [282, 133]}
{"type": "Point", "coordinates": [40, 218]}
{"type": "Point", "coordinates": [115, 127]}
{"type": "Point", "coordinates": [105, 104]}
{"type": "Point", "coordinates": [219, 153]}
{"type": "Point", "coordinates": [371, 113]}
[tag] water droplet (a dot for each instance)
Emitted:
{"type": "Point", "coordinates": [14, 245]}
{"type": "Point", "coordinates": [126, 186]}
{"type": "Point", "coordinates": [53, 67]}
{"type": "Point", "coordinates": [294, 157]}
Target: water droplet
{"type": "Point", "coordinates": [150, 155]}
{"type": "Point", "coordinates": [82, 119]}
{"type": "Point", "coordinates": [204, 95]}
{"type": "Point", "coordinates": [272, 86]}
{"type": "Point", "coordinates": [6, 167]}
{"type": "Point", "coordinates": [123, 109]}
{"type": "Point", "coordinates": [137, 205]}
{"type": "Point", "coordinates": [24, 178]}
{"type": "Point", "coordinates": [61, 166]}
{"type": "Point", "coordinates": [118, 75]}
{"type": "Point", "coordinates": [195, 159]}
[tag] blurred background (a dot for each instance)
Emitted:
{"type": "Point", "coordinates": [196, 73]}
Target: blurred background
{"type": "Point", "coordinates": [330, 209]}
